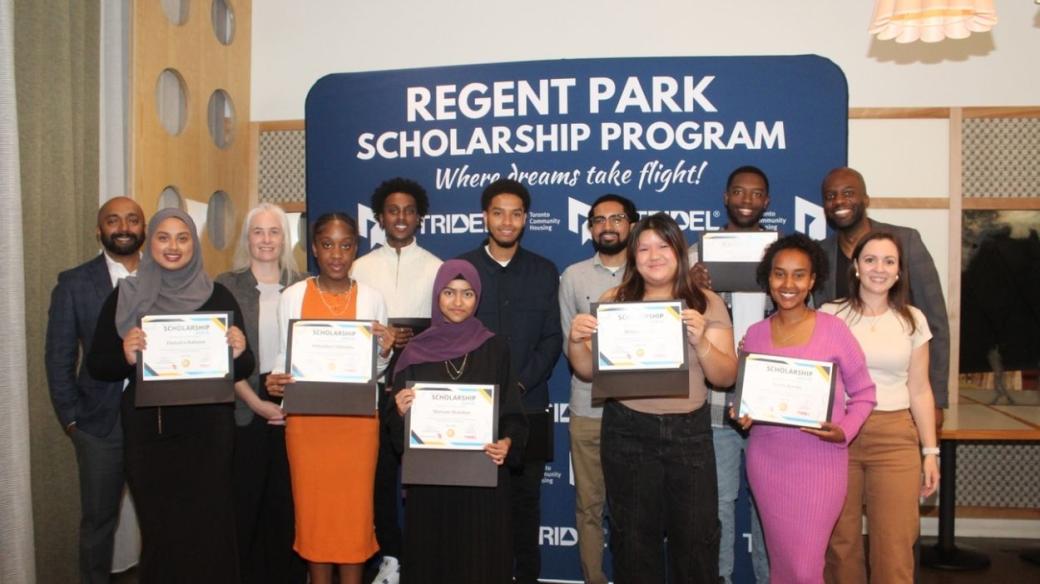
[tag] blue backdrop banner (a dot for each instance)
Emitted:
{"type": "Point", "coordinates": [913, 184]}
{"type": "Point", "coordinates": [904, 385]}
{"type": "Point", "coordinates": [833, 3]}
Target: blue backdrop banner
{"type": "Point", "coordinates": [665, 132]}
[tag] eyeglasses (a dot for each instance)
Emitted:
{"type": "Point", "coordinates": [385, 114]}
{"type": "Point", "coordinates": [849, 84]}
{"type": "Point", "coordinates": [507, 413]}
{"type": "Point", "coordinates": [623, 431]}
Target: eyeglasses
{"type": "Point", "coordinates": [615, 220]}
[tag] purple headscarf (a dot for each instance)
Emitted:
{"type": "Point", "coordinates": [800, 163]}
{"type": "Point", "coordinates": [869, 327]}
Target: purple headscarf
{"type": "Point", "coordinates": [445, 339]}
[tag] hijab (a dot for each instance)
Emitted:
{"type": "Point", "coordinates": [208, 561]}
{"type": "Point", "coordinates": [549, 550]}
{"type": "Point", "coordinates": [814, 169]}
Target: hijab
{"type": "Point", "coordinates": [445, 339]}
{"type": "Point", "coordinates": [156, 290]}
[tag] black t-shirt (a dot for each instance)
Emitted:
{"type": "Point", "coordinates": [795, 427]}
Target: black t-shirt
{"type": "Point", "coordinates": [841, 276]}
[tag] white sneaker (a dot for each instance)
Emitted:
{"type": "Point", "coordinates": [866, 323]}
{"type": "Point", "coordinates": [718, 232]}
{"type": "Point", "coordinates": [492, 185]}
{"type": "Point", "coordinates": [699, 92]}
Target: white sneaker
{"type": "Point", "coordinates": [389, 571]}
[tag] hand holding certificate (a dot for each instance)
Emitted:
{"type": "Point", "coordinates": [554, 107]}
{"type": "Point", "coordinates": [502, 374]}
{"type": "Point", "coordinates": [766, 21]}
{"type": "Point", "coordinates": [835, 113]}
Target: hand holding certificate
{"type": "Point", "coordinates": [333, 367]}
{"type": "Point", "coordinates": [450, 432]}
{"type": "Point", "coordinates": [786, 391]}
{"type": "Point", "coordinates": [731, 258]}
{"type": "Point", "coordinates": [186, 359]}
{"type": "Point", "coordinates": [639, 350]}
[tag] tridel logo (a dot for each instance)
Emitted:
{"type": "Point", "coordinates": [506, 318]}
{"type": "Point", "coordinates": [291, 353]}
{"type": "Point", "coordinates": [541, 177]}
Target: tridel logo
{"type": "Point", "coordinates": [369, 226]}
{"type": "Point", "coordinates": [809, 219]}
{"type": "Point", "coordinates": [688, 219]}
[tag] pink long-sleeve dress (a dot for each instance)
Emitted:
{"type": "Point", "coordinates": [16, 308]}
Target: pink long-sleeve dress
{"type": "Point", "coordinates": [798, 480]}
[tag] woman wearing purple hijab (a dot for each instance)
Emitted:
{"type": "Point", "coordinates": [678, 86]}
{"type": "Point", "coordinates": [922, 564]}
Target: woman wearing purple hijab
{"type": "Point", "coordinates": [460, 534]}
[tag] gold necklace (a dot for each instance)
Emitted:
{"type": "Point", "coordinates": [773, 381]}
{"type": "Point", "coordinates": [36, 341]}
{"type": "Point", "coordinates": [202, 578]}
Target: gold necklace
{"type": "Point", "coordinates": [456, 372]}
{"type": "Point", "coordinates": [874, 318]}
{"type": "Point", "coordinates": [784, 339]}
{"type": "Point", "coordinates": [321, 296]}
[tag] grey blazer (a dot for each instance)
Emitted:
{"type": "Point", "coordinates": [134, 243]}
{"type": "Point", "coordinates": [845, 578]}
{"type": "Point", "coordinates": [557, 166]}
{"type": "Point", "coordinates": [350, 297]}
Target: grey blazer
{"type": "Point", "coordinates": [925, 294]}
{"type": "Point", "coordinates": [242, 285]}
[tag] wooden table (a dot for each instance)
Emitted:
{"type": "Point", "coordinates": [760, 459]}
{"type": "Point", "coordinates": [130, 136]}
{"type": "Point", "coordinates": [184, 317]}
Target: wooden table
{"type": "Point", "coordinates": [972, 420]}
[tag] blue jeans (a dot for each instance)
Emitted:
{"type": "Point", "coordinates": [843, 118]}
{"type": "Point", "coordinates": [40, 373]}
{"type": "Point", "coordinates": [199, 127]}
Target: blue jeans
{"type": "Point", "coordinates": [659, 471]}
{"type": "Point", "coordinates": [729, 445]}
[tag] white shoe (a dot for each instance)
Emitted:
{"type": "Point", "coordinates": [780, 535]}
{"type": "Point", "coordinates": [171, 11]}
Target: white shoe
{"type": "Point", "coordinates": [389, 571]}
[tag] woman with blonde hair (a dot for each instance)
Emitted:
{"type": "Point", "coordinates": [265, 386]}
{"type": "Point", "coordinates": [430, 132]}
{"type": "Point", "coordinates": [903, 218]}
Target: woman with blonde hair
{"type": "Point", "coordinates": [263, 266]}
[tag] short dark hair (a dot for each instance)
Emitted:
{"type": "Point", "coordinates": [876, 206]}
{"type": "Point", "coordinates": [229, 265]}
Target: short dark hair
{"type": "Point", "coordinates": [748, 169]}
{"type": "Point", "coordinates": [505, 186]}
{"type": "Point", "coordinates": [802, 243]}
{"type": "Point", "coordinates": [400, 185]}
{"type": "Point", "coordinates": [629, 206]}
{"type": "Point", "coordinates": [327, 218]}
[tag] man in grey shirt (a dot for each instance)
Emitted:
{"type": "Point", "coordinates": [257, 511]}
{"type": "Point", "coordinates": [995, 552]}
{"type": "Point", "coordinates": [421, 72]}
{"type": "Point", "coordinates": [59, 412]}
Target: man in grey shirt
{"type": "Point", "coordinates": [610, 220]}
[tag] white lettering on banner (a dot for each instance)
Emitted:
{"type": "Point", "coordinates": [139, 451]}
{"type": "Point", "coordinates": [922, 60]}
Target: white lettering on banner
{"type": "Point", "coordinates": [662, 95]}
{"type": "Point", "coordinates": [541, 221]}
{"type": "Point", "coordinates": [507, 99]}
{"type": "Point", "coordinates": [690, 135]}
{"type": "Point", "coordinates": [654, 173]}
{"type": "Point", "coordinates": [436, 142]}
{"type": "Point", "coordinates": [453, 223]}
{"type": "Point", "coordinates": [460, 178]}
{"type": "Point", "coordinates": [558, 536]}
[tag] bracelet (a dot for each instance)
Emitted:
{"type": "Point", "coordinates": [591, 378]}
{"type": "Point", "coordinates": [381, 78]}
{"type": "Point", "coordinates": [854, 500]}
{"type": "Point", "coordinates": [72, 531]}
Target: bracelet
{"type": "Point", "coordinates": [933, 450]}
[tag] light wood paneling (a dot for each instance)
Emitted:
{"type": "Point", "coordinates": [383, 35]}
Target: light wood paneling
{"type": "Point", "coordinates": [281, 125]}
{"type": "Point", "coordinates": [953, 300]}
{"type": "Point", "coordinates": [893, 113]}
{"type": "Point", "coordinates": [190, 160]}
{"type": "Point", "coordinates": [909, 203]}
{"type": "Point", "coordinates": [1002, 112]}
{"type": "Point", "coordinates": [1003, 204]}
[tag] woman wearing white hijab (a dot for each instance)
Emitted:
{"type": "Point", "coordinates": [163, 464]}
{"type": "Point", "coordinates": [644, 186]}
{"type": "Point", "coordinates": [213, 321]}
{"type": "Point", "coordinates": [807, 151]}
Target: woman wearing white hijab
{"type": "Point", "coordinates": [178, 459]}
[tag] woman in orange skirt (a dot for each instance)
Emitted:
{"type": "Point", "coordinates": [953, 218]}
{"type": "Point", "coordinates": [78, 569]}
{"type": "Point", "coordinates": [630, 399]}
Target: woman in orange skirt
{"type": "Point", "coordinates": [332, 459]}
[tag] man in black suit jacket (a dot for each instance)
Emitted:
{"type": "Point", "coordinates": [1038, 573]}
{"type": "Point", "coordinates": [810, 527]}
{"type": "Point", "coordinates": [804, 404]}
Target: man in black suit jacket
{"type": "Point", "coordinates": [88, 409]}
{"type": "Point", "coordinates": [845, 203]}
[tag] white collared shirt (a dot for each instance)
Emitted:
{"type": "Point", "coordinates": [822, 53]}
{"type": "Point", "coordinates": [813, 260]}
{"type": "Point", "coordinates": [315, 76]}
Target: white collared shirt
{"type": "Point", "coordinates": [116, 270]}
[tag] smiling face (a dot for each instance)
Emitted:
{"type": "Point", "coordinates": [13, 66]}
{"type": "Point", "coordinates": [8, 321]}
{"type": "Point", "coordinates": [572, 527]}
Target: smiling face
{"type": "Point", "coordinates": [121, 226]}
{"type": "Point", "coordinates": [266, 238]}
{"type": "Point", "coordinates": [655, 259]}
{"type": "Point", "coordinates": [746, 200]}
{"type": "Point", "coordinates": [457, 301]}
{"type": "Point", "coordinates": [845, 199]}
{"type": "Point", "coordinates": [399, 219]}
{"type": "Point", "coordinates": [335, 248]}
{"type": "Point", "coordinates": [505, 218]}
{"type": "Point", "coordinates": [878, 266]}
{"type": "Point", "coordinates": [791, 278]}
{"type": "Point", "coordinates": [172, 245]}
{"type": "Point", "coordinates": [609, 227]}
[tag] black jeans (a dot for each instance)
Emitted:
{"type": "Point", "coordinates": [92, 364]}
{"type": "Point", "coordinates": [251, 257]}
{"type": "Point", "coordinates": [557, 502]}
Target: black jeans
{"type": "Point", "coordinates": [388, 485]}
{"type": "Point", "coordinates": [659, 471]}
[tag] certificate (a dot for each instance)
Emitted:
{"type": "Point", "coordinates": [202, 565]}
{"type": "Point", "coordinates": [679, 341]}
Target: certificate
{"type": "Point", "coordinates": [333, 364]}
{"type": "Point", "coordinates": [640, 350]}
{"type": "Point", "coordinates": [639, 336]}
{"type": "Point", "coordinates": [334, 351]}
{"type": "Point", "coordinates": [452, 417]}
{"type": "Point", "coordinates": [732, 258]}
{"type": "Point", "coordinates": [784, 390]}
{"type": "Point", "coordinates": [187, 361]}
{"type": "Point", "coordinates": [445, 432]}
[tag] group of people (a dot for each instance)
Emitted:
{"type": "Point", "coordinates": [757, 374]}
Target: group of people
{"type": "Point", "coordinates": [244, 492]}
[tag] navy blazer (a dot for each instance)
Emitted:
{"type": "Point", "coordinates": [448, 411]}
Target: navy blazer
{"type": "Point", "coordinates": [73, 315]}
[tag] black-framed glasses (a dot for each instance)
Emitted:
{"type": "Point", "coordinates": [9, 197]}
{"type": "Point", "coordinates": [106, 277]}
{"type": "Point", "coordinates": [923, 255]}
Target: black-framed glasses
{"type": "Point", "coordinates": [615, 220]}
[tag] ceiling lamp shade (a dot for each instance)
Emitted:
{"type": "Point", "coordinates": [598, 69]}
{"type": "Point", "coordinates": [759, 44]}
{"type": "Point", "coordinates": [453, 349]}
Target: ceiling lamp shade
{"type": "Point", "coordinates": [931, 21]}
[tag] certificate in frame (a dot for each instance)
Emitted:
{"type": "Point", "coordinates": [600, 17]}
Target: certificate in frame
{"type": "Point", "coordinates": [188, 360]}
{"type": "Point", "coordinates": [785, 391]}
{"type": "Point", "coordinates": [732, 258]}
{"type": "Point", "coordinates": [333, 364]}
{"type": "Point", "coordinates": [639, 350]}
{"type": "Point", "coordinates": [432, 456]}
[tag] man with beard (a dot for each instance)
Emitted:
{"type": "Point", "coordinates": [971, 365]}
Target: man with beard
{"type": "Point", "coordinates": [403, 273]}
{"type": "Point", "coordinates": [845, 203]}
{"type": "Point", "coordinates": [88, 409]}
{"type": "Point", "coordinates": [746, 199]}
{"type": "Point", "coordinates": [610, 220]}
{"type": "Point", "coordinates": [519, 302]}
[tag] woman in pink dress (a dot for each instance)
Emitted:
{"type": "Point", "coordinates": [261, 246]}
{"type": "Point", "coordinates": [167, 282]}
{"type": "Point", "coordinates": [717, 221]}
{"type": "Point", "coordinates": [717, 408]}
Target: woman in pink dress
{"type": "Point", "coordinates": [799, 475]}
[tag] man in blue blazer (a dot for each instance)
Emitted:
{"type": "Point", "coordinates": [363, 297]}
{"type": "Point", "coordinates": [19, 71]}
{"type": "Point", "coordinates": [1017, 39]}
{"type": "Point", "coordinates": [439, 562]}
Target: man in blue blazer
{"type": "Point", "coordinates": [89, 409]}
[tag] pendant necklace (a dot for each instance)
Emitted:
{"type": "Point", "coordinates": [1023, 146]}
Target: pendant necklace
{"type": "Point", "coordinates": [321, 296]}
{"type": "Point", "coordinates": [776, 324]}
{"type": "Point", "coordinates": [455, 373]}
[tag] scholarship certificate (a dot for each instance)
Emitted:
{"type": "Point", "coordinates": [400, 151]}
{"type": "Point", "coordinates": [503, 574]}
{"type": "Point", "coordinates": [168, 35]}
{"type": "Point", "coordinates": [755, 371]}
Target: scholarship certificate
{"type": "Point", "coordinates": [186, 346]}
{"type": "Point", "coordinates": [784, 390]}
{"type": "Point", "coordinates": [639, 336]}
{"type": "Point", "coordinates": [331, 351]}
{"type": "Point", "coordinates": [447, 416]}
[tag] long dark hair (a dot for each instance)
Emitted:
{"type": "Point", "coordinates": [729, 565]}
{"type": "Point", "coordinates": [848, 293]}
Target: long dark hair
{"type": "Point", "coordinates": [633, 287]}
{"type": "Point", "coordinates": [898, 294]}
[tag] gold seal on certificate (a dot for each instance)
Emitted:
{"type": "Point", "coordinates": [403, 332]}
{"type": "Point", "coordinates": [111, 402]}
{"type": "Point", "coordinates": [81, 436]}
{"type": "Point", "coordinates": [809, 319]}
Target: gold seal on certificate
{"type": "Point", "coordinates": [785, 390]}
{"type": "Point", "coordinates": [188, 359]}
{"type": "Point", "coordinates": [639, 350]}
{"type": "Point", "coordinates": [333, 365]}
